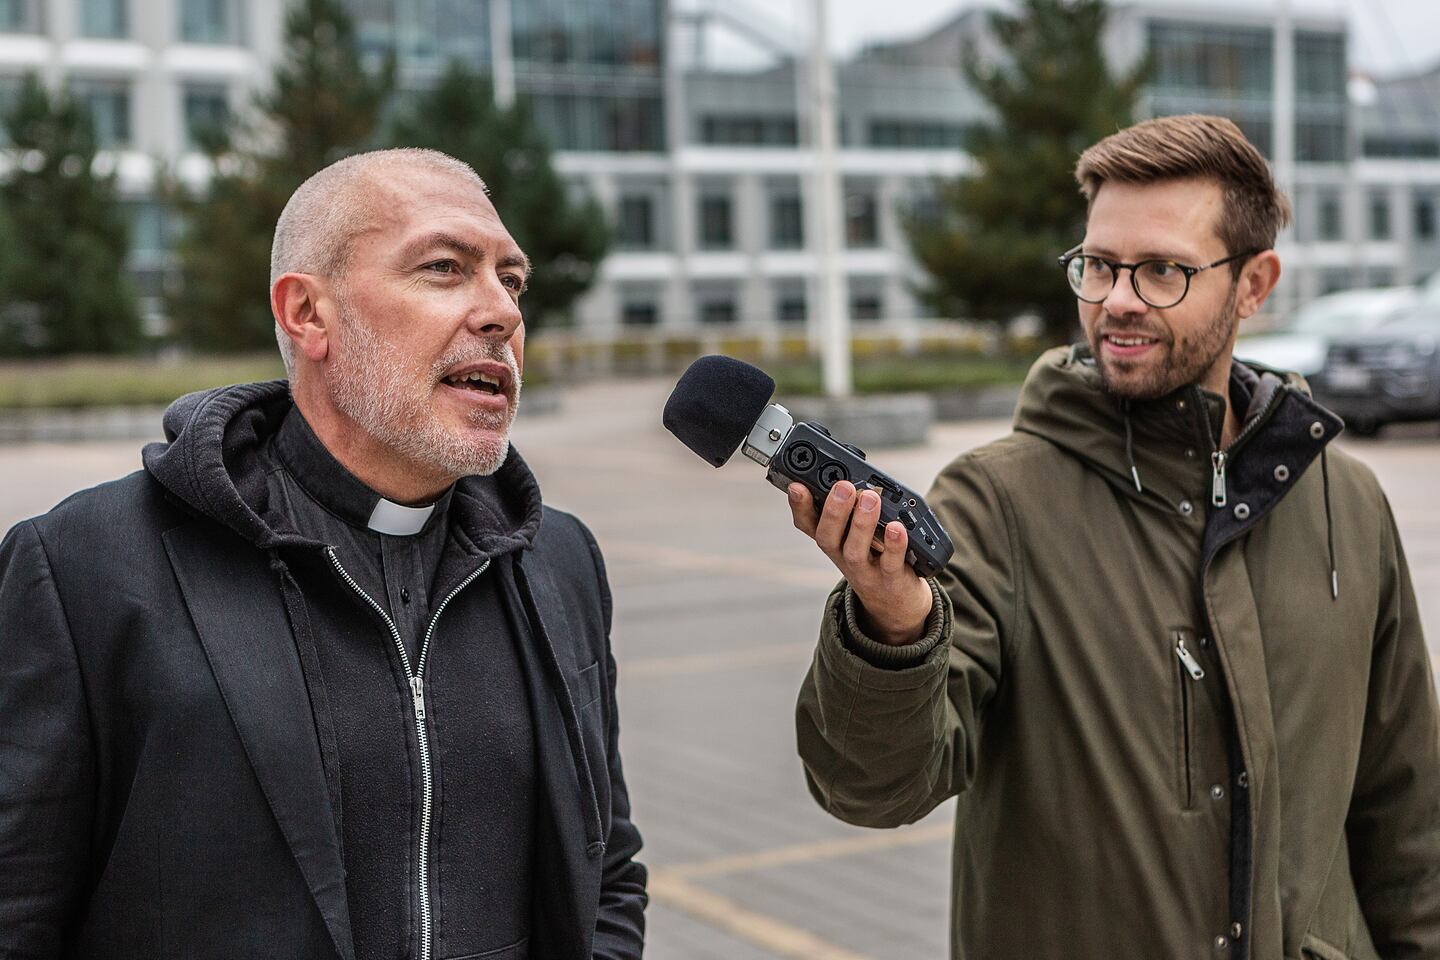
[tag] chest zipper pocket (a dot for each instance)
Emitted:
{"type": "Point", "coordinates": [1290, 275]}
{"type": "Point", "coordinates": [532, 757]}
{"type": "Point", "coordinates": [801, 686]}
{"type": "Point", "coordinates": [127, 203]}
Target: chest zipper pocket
{"type": "Point", "coordinates": [1189, 672]}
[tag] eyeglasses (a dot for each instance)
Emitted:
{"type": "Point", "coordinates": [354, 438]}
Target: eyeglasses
{"type": "Point", "coordinates": [1160, 283]}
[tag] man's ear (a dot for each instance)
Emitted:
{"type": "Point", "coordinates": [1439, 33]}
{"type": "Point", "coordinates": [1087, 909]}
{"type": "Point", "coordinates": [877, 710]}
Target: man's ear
{"type": "Point", "coordinates": [305, 312]}
{"type": "Point", "coordinates": [1257, 281]}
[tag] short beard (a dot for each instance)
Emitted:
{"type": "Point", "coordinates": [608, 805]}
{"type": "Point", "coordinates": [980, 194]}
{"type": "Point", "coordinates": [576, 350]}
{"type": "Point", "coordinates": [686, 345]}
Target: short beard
{"type": "Point", "coordinates": [1186, 361]}
{"type": "Point", "coordinates": [394, 407]}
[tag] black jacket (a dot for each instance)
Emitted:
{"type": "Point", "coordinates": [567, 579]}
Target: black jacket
{"type": "Point", "coordinates": [162, 791]}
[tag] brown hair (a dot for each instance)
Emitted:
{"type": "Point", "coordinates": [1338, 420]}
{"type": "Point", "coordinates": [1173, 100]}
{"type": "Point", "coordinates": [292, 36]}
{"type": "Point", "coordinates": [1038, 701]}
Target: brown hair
{"type": "Point", "coordinates": [1202, 147]}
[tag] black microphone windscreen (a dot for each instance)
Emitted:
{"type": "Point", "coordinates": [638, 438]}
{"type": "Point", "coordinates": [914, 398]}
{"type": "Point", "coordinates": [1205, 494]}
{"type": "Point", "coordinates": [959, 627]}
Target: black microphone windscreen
{"type": "Point", "coordinates": [714, 405]}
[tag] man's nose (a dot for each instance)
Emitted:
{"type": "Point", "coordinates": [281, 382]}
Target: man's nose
{"type": "Point", "coordinates": [1123, 299]}
{"type": "Point", "coordinates": [496, 312]}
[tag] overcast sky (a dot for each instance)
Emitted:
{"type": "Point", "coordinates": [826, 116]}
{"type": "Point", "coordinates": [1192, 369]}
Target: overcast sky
{"type": "Point", "coordinates": [1387, 36]}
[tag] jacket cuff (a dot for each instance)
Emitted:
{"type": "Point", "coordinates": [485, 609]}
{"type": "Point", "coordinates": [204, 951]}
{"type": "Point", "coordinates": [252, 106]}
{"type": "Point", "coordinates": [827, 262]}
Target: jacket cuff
{"type": "Point", "coordinates": [888, 656]}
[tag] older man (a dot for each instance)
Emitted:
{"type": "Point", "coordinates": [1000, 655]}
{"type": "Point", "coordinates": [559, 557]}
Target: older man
{"type": "Point", "coordinates": [325, 679]}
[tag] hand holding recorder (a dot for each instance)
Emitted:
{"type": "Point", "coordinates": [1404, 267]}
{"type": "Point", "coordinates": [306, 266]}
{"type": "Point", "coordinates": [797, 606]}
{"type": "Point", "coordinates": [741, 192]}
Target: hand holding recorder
{"type": "Point", "coordinates": [880, 534]}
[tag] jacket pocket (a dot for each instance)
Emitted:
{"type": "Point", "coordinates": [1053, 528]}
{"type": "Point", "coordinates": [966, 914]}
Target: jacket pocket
{"type": "Point", "coordinates": [1313, 948]}
{"type": "Point", "coordinates": [586, 690]}
{"type": "Point", "coordinates": [1188, 671]}
{"type": "Point", "coordinates": [519, 950]}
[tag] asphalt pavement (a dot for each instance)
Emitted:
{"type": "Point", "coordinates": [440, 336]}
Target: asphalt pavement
{"type": "Point", "coordinates": [717, 600]}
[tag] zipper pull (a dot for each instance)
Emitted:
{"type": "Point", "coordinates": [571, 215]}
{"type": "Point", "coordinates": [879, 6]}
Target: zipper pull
{"type": "Point", "coordinates": [1217, 484]}
{"type": "Point", "coordinates": [1192, 666]}
{"type": "Point", "coordinates": [417, 693]}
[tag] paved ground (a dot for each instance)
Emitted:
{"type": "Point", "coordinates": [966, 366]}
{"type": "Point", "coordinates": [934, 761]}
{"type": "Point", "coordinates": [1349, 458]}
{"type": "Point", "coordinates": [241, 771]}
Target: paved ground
{"type": "Point", "coordinates": [716, 605]}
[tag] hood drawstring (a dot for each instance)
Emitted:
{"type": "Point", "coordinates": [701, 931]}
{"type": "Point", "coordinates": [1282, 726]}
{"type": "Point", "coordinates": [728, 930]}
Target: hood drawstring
{"type": "Point", "coordinates": [299, 615]}
{"type": "Point", "coordinates": [1130, 447]}
{"type": "Point", "coordinates": [1329, 526]}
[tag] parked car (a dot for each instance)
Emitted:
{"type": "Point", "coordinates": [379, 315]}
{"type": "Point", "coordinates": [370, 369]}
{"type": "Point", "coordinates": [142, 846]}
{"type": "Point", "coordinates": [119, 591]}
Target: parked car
{"type": "Point", "coordinates": [1299, 345]}
{"type": "Point", "coordinates": [1387, 375]}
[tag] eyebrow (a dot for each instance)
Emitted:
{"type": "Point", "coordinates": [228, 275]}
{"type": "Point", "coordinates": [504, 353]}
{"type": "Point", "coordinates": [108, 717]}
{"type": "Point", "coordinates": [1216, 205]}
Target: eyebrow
{"type": "Point", "coordinates": [1143, 255]}
{"type": "Point", "coordinates": [430, 241]}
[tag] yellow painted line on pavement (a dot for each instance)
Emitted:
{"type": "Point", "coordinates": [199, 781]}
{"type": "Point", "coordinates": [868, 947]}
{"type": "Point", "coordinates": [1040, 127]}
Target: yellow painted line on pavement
{"type": "Point", "coordinates": [694, 560]}
{"type": "Point", "coordinates": [722, 913]}
{"type": "Point", "coordinates": [717, 661]}
{"type": "Point", "coordinates": [672, 887]}
{"type": "Point", "coordinates": [812, 852]}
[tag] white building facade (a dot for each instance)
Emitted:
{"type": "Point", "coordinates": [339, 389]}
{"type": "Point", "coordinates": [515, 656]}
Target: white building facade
{"type": "Point", "coordinates": [704, 173]}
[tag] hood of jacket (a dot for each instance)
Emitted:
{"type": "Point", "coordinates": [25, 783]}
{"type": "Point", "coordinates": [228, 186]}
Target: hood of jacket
{"type": "Point", "coordinates": [215, 456]}
{"type": "Point", "coordinates": [1130, 441]}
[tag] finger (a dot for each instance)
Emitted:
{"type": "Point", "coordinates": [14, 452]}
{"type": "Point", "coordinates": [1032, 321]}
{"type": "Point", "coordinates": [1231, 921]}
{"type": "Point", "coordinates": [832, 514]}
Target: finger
{"type": "Point", "coordinates": [861, 538]}
{"type": "Point", "coordinates": [834, 517]}
{"type": "Point", "coordinates": [802, 508]}
{"type": "Point", "coordinates": [892, 561]}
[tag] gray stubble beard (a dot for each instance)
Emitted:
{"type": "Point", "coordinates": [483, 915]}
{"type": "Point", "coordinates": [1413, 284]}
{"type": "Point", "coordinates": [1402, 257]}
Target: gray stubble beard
{"type": "Point", "coordinates": [381, 398]}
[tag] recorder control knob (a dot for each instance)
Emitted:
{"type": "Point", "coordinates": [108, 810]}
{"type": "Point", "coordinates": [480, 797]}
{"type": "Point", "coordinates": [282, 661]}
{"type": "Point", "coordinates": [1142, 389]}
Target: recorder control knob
{"type": "Point", "coordinates": [908, 518]}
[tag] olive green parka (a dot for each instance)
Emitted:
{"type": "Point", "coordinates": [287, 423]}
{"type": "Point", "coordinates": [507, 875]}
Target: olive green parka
{"type": "Point", "coordinates": [1184, 701]}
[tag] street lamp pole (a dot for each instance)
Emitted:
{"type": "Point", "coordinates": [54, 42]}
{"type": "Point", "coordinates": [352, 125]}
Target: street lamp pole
{"type": "Point", "coordinates": [502, 60]}
{"type": "Point", "coordinates": [833, 308]}
{"type": "Point", "coordinates": [1283, 119]}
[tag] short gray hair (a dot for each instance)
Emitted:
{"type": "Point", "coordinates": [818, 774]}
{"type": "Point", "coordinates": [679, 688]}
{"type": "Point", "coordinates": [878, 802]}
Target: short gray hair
{"type": "Point", "coordinates": [316, 230]}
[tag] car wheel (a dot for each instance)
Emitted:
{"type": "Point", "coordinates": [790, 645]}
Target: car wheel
{"type": "Point", "coordinates": [1363, 426]}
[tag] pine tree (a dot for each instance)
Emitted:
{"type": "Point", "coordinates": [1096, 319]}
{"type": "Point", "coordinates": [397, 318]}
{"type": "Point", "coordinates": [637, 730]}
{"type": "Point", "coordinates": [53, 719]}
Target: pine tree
{"type": "Point", "coordinates": [323, 104]}
{"type": "Point", "coordinates": [63, 286]}
{"type": "Point", "coordinates": [990, 253]}
{"type": "Point", "coordinates": [564, 238]}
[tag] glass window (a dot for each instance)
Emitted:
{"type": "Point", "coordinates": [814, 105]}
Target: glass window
{"type": "Point", "coordinates": [1320, 141]}
{"type": "Point", "coordinates": [716, 231]}
{"type": "Point", "coordinates": [207, 112]}
{"type": "Point", "coordinates": [1385, 145]}
{"type": "Point", "coordinates": [862, 219]}
{"type": "Point", "coordinates": [20, 16]}
{"type": "Point", "coordinates": [104, 18]}
{"type": "Point", "coordinates": [749, 130]}
{"type": "Point", "coordinates": [1320, 70]}
{"type": "Point", "coordinates": [640, 313]}
{"type": "Point", "coordinates": [1330, 221]}
{"type": "Point", "coordinates": [109, 104]}
{"type": "Point", "coordinates": [1379, 215]}
{"type": "Point", "coordinates": [1335, 280]}
{"type": "Point", "coordinates": [787, 222]}
{"type": "Point", "coordinates": [717, 309]}
{"type": "Point", "coordinates": [1425, 218]}
{"type": "Point", "coordinates": [915, 133]}
{"type": "Point", "coordinates": [1202, 59]}
{"type": "Point", "coordinates": [636, 228]}
{"type": "Point", "coordinates": [866, 299]}
{"type": "Point", "coordinates": [790, 308]}
{"type": "Point", "coordinates": [210, 21]}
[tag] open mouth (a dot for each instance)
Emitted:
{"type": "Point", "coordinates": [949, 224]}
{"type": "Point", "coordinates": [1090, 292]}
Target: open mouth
{"type": "Point", "coordinates": [1129, 341]}
{"type": "Point", "coordinates": [475, 380]}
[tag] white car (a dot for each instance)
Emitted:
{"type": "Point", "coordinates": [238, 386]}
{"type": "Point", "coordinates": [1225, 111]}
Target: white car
{"type": "Point", "coordinates": [1300, 344]}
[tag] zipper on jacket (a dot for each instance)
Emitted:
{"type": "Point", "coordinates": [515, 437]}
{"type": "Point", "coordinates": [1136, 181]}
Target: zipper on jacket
{"type": "Point", "coordinates": [1222, 455]}
{"type": "Point", "coordinates": [1187, 659]}
{"type": "Point", "coordinates": [416, 679]}
{"type": "Point", "coordinates": [1188, 664]}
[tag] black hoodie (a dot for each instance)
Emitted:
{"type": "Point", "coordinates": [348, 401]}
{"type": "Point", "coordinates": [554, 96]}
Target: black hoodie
{"type": "Point", "coordinates": [174, 750]}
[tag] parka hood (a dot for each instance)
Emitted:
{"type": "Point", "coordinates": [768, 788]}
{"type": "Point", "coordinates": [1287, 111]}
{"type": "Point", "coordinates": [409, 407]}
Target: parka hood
{"type": "Point", "coordinates": [214, 461]}
{"type": "Point", "coordinates": [1166, 442]}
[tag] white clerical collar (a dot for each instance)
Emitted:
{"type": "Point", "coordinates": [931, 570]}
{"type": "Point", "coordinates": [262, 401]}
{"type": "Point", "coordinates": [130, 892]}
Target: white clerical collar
{"type": "Point", "coordinates": [398, 521]}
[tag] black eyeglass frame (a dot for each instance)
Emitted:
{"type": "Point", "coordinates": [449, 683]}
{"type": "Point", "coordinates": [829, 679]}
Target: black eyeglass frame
{"type": "Point", "coordinates": [1116, 266]}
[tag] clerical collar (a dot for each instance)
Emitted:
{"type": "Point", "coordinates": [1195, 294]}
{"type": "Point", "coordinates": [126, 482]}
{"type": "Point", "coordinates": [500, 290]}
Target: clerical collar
{"type": "Point", "coordinates": [340, 491]}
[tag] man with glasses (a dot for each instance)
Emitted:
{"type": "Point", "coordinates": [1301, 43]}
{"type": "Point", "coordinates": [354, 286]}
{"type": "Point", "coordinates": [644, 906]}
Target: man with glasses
{"type": "Point", "coordinates": [1174, 673]}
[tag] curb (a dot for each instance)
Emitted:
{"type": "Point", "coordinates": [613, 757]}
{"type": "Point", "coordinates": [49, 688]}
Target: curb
{"type": "Point", "coordinates": [56, 425]}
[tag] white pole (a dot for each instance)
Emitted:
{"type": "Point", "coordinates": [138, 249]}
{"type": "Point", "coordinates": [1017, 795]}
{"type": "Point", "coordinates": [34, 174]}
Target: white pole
{"type": "Point", "coordinates": [502, 61]}
{"type": "Point", "coordinates": [1283, 124]}
{"type": "Point", "coordinates": [833, 308]}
